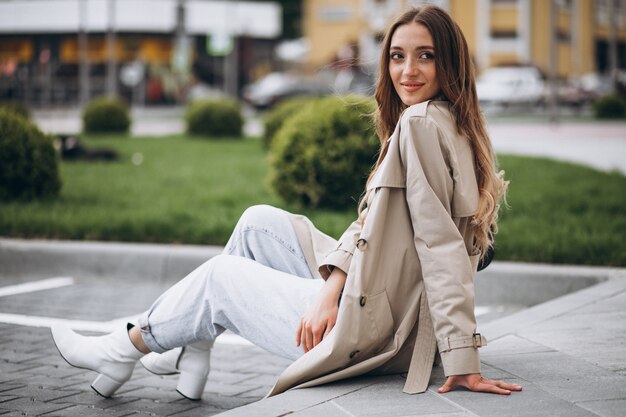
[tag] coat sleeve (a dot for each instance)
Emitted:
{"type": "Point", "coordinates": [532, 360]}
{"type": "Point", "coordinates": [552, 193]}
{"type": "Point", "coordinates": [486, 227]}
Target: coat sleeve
{"type": "Point", "coordinates": [446, 268]}
{"type": "Point", "coordinates": [341, 256]}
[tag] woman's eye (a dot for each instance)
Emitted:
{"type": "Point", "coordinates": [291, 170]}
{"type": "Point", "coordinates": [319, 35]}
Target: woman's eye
{"type": "Point", "coordinates": [395, 55]}
{"type": "Point", "coordinates": [426, 56]}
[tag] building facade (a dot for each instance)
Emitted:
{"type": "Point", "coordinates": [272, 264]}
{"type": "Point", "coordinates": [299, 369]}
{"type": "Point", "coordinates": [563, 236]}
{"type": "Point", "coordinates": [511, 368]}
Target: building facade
{"type": "Point", "coordinates": [60, 52]}
{"type": "Point", "coordinates": [498, 31]}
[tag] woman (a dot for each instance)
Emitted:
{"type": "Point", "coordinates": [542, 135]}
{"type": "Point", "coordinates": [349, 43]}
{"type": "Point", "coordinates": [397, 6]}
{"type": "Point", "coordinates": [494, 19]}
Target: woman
{"type": "Point", "coordinates": [398, 285]}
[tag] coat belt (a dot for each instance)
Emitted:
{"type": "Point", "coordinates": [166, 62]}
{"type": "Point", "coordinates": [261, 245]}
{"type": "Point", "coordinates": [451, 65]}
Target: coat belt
{"type": "Point", "coordinates": [423, 351]}
{"type": "Point", "coordinates": [476, 340]}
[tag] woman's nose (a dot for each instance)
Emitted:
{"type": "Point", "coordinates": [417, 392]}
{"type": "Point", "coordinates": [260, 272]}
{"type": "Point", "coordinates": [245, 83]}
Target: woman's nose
{"type": "Point", "coordinates": [410, 68]}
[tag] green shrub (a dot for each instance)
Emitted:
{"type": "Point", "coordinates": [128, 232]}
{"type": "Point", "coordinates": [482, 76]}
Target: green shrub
{"type": "Point", "coordinates": [276, 118]}
{"type": "Point", "coordinates": [214, 117]}
{"type": "Point", "coordinates": [321, 157]}
{"type": "Point", "coordinates": [106, 115]}
{"type": "Point", "coordinates": [610, 106]}
{"type": "Point", "coordinates": [28, 161]}
{"type": "Point", "coordinates": [16, 107]}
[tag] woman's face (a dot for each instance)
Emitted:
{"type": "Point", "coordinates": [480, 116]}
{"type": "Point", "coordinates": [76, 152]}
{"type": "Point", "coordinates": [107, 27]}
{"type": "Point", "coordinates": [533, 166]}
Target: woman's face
{"type": "Point", "coordinates": [412, 64]}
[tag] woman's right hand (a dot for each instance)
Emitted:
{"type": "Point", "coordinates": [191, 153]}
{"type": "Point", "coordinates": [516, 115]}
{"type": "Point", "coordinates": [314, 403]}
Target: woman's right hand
{"type": "Point", "coordinates": [321, 316]}
{"type": "Point", "coordinates": [477, 383]}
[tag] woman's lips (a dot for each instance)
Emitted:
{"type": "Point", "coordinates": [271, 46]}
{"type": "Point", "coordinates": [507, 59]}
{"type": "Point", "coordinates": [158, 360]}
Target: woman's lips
{"type": "Point", "coordinates": [411, 87]}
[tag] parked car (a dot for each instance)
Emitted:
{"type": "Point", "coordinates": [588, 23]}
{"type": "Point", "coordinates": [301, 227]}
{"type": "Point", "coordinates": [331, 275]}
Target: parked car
{"type": "Point", "coordinates": [596, 85]}
{"type": "Point", "coordinates": [277, 86]}
{"type": "Point", "coordinates": [511, 86]}
{"type": "Point", "coordinates": [570, 93]}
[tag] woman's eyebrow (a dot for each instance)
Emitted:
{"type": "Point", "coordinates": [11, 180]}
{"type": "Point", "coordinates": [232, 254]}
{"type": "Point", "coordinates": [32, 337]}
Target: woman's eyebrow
{"type": "Point", "coordinates": [418, 48]}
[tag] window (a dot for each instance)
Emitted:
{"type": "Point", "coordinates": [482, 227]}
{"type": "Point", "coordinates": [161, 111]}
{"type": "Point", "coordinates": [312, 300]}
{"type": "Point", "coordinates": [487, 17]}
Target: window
{"type": "Point", "coordinates": [504, 34]}
{"type": "Point", "coordinates": [335, 13]}
{"type": "Point", "coordinates": [564, 4]}
{"type": "Point", "coordinates": [602, 10]}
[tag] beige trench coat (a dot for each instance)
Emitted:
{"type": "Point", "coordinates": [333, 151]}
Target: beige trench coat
{"type": "Point", "coordinates": [410, 284]}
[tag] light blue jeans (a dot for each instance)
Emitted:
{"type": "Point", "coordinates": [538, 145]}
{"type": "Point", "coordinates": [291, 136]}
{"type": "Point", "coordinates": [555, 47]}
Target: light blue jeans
{"type": "Point", "coordinates": [258, 288]}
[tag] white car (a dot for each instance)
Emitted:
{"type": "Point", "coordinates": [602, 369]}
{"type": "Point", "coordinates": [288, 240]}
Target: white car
{"type": "Point", "coordinates": [511, 85]}
{"type": "Point", "coordinates": [278, 86]}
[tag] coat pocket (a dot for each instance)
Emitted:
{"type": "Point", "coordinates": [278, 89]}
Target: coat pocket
{"type": "Point", "coordinates": [374, 325]}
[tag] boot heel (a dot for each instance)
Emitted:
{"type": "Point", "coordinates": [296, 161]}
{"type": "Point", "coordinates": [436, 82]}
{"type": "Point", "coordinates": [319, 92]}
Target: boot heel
{"type": "Point", "coordinates": [191, 386]}
{"type": "Point", "coordinates": [105, 386]}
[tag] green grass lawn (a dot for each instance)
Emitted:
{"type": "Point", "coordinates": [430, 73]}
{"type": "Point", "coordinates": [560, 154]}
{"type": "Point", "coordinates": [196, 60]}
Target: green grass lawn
{"type": "Point", "coordinates": [193, 191]}
{"type": "Point", "coordinates": [185, 190]}
{"type": "Point", "coordinates": [562, 213]}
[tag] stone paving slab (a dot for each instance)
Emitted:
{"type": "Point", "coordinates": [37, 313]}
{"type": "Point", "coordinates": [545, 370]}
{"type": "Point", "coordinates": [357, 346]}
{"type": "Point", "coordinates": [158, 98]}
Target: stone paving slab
{"type": "Point", "coordinates": [605, 408]}
{"type": "Point", "coordinates": [547, 349]}
{"type": "Point", "coordinates": [86, 301]}
{"type": "Point", "coordinates": [563, 376]}
{"type": "Point", "coordinates": [43, 383]}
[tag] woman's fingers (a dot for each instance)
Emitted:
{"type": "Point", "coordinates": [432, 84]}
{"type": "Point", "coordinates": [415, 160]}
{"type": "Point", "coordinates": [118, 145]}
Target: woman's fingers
{"type": "Point", "coordinates": [503, 385]}
{"type": "Point", "coordinates": [484, 387]}
{"type": "Point", "coordinates": [308, 332]}
{"type": "Point", "coordinates": [318, 333]}
{"type": "Point", "coordinates": [299, 333]}
{"type": "Point", "coordinates": [303, 336]}
{"type": "Point", "coordinates": [310, 335]}
{"type": "Point", "coordinates": [329, 327]}
{"type": "Point", "coordinates": [476, 383]}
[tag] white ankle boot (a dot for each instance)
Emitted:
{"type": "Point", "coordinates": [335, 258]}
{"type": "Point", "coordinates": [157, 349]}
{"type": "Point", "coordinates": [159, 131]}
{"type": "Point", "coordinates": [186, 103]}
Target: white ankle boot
{"type": "Point", "coordinates": [192, 362]}
{"type": "Point", "coordinates": [113, 356]}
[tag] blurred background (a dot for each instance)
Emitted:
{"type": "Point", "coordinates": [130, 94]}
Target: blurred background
{"type": "Point", "coordinates": [558, 55]}
{"type": "Point", "coordinates": [163, 120]}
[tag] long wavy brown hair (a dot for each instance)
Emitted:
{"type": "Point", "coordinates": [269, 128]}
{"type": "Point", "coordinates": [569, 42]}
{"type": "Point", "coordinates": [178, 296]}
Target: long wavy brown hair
{"type": "Point", "coordinates": [455, 73]}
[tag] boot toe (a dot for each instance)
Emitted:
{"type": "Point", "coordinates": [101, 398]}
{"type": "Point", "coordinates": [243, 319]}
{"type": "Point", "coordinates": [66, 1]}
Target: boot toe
{"type": "Point", "coordinates": [162, 363]}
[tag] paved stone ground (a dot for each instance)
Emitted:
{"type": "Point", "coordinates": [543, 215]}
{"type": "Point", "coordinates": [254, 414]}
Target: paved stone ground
{"type": "Point", "coordinates": [35, 380]}
{"type": "Point", "coordinates": [568, 353]}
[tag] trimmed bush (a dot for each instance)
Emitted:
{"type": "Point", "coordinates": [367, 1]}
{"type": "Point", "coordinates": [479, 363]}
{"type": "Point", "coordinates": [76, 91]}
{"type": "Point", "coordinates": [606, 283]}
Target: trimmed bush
{"type": "Point", "coordinates": [28, 161]}
{"type": "Point", "coordinates": [16, 107]}
{"type": "Point", "coordinates": [276, 118]}
{"type": "Point", "coordinates": [321, 156]}
{"type": "Point", "coordinates": [214, 117]}
{"type": "Point", "coordinates": [610, 106]}
{"type": "Point", "coordinates": [106, 115]}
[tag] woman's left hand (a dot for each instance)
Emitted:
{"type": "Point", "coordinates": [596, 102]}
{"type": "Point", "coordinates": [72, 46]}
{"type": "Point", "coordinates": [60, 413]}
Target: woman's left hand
{"type": "Point", "coordinates": [321, 316]}
{"type": "Point", "coordinates": [477, 383]}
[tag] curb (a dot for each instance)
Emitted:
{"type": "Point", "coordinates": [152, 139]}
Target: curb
{"type": "Point", "coordinates": [22, 260]}
{"type": "Point", "coordinates": [512, 283]}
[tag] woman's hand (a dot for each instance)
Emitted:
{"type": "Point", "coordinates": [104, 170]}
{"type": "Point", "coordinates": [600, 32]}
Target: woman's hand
{"type": "Point", "coordinates": [477, 383]}
{"type": "Point", "coordinates": [321, 316]}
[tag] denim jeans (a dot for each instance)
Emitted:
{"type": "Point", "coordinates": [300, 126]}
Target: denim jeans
{"type": "Point", "coordinates": [258, 288]}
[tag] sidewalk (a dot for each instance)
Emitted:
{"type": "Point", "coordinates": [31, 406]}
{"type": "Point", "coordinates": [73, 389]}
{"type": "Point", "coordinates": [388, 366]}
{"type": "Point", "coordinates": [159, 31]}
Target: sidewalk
{"type": "Point", "coordinates": [146, 121]}
{"type": "Point", "coordinates": [568, 353]}
{"type": "Point", "coordinates": [601, 145]}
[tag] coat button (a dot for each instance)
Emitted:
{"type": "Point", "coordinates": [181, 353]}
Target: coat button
{"type": "Point", "coordinates": [363, 300]}
{"type": "Point", "coordinates": [361, 244]}
{"type": "Point", "coordinates": [353, 353]}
